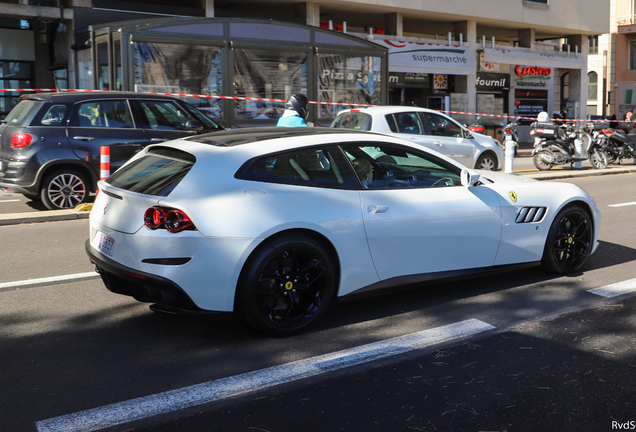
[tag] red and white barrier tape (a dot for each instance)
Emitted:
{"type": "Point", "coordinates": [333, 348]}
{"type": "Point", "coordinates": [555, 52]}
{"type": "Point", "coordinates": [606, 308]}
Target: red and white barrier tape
{"type": "Point", "coordinates": [283, 101]}
{"type": "Point", "coordinates": [251, 99]}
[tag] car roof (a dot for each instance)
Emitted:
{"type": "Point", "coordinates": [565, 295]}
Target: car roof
{"type": "Point", "coordinates": [74, 96]}
{"type": "Point", "coordinates": [385, 109]}
{"type": "Point", "coordinates": [235, 137]}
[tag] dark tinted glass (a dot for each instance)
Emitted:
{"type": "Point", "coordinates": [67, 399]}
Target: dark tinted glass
{"type": "Point", "coordinates": [353, 120]}
{"type": "Point", "coordinates": [316, 167]}
{"type": "Point", "coordinates": [105, 114]}
{"type": "Point", "coordinates": [22, 113]}
{"type": "Point", "coordinates": [156, 173]}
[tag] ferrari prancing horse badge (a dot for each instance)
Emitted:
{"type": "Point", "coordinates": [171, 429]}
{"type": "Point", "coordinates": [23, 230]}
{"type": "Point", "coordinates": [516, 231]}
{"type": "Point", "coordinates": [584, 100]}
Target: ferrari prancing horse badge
{"type": "Point", "coordinates": [513, 196]}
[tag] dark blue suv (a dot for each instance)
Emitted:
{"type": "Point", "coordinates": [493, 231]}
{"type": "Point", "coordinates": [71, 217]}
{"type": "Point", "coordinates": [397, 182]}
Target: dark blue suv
{"type": "Point", "coordinates": [50, 142]}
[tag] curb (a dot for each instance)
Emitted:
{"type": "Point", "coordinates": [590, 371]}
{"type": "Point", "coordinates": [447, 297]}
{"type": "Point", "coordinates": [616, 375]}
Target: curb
{"type": "Point", "coordinates": [45, 216]}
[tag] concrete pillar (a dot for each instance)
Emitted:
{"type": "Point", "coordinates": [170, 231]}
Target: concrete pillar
{"type": "Point", "coordinates": [578, 77]}
{"type": "Point", "coordinates": [526, 38]}
{"type": "Point", "coordinates": [393, 24]}
{"type": "Point", "coordinates": [310, 11]}
{"type": "Point", "coordinates": [467, 83]}
{"type": "Point", "coordinates": [209, 8]}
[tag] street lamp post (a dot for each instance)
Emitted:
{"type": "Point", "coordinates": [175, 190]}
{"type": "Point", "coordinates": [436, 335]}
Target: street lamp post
{"type": "Point", "coordinates": [604, 82]}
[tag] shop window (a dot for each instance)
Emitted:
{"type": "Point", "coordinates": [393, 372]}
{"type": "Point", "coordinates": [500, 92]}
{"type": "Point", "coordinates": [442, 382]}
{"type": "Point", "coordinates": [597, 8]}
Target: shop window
{"type": "Point", "coordinates": [632, 55]}
{"type": "Point", "coordinates": [349, 80]}
{"type": "Point", "coordinates": [13, 74]}
{"type": "Point", "coordinates": [267, 74]}
{"type": "Point", "coordinates": [180, 68]}
{"type": "Point", "coordinates": [593, 44]}
{"type": "Point", "coordinates": [592, 86]}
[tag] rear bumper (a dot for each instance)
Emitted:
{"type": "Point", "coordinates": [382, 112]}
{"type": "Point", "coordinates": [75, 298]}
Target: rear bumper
{"type": "Point", "coordinates": [146, 287]}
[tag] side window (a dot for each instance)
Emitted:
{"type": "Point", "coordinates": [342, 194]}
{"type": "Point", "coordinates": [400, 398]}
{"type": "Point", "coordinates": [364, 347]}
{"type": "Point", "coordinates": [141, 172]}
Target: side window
{"type": "Point", "coordinates": [164, 115]}
{"type": "Point", "coordinates": [315, 167]}
{"type": "Point", "coordinates": [390, 166]}
{"type": "Point", "coordinates": [104, 114]}
{"type": "Point", "coordinates": [408, 122]}
{"type": "Point", "coordinates": [54, 115]}
{"type": "Point", "coordinates": [441, 126]}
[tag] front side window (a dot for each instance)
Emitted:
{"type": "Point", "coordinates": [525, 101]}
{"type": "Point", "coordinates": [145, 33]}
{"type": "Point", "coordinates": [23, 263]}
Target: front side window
{"type": "Point", "coordinates": [390, 166]}
{"type": "Point", "coordinates": [316, 167]}
{"type": "Point", "coordinates": [163, 115]}
{"type": "Point", "coordinates": [442, 126]}
{"type": "Point", "coordinates": [267, 74]}
{"type": "Point", "coordinates": [104, 114]}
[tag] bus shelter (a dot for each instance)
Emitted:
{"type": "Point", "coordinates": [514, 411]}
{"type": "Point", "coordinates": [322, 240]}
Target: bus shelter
{"type": "Point", "coordinates": [243, 58]}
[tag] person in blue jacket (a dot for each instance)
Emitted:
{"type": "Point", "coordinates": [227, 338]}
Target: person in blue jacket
{"type": "Point", "coordinates": [295, 111]}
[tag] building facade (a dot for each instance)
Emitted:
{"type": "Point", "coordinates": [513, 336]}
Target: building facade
{"type": "Point", "coordinates": [503, 57]}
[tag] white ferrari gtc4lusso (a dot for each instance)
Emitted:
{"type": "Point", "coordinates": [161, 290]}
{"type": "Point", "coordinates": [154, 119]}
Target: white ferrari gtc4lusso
{"type": "Point", "coordinates": [276, 223]}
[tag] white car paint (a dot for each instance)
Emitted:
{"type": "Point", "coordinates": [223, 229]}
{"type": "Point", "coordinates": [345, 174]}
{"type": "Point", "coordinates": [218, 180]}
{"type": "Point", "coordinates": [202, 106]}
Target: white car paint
{"type": "Point", "coordinates": [377, 234]}
{"type": "Point", "coordinates": [466, 149]}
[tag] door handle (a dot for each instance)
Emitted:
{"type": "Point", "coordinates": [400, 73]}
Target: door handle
{"type": "Point", "coordinates": [158, 139]}
{"type": "Point", "coordinates": [377, 209]}
{"type": "Point", "coordinates": [84, 138]}
{"type": "Point", "coordinates": [438, 143]}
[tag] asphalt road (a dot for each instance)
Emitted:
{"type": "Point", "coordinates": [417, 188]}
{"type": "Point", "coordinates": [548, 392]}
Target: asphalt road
{"type": "Point", "coordinates": [548, 354]}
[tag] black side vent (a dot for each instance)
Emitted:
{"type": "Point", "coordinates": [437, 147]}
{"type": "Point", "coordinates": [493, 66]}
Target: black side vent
{"type": "Point", "coordinates": [530, 214]}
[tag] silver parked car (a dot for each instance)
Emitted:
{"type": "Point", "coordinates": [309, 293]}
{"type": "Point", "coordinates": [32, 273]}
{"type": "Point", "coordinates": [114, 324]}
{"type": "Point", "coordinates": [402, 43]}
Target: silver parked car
{"type": "Point", "coordinates": [428, 128]}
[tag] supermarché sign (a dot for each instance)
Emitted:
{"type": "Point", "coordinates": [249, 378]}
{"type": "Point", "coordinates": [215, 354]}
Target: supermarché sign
{"type": "Point", "coordinates": [420, 57]}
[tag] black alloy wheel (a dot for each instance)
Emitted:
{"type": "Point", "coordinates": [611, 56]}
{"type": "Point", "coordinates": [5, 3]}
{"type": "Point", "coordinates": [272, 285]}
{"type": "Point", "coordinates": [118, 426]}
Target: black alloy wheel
{"type": "Point", "coordinates": [64, 189]}
{"type": "Point", "coordinates": [286, 285]}
{"type": "Point", "coordinates": [569, 241]}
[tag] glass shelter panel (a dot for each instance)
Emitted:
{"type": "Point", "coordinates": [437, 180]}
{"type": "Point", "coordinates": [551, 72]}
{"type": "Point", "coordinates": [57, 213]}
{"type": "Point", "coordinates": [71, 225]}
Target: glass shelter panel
{"type": "Point", "coordinates": [13, 75]}
{"type": "Point", "coordinates": [103, 77]}
{"type": "Point", "coordinates": [269, 75]}
{"type": "Point", "coordinates": [181, 68]}
{"type": "Point", "coordinates": [348, 79]}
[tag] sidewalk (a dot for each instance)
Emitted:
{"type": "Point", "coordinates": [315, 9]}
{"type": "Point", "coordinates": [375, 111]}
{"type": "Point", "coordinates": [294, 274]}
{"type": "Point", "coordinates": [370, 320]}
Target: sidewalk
{"type": "Point", "coordinates": [563, 172]}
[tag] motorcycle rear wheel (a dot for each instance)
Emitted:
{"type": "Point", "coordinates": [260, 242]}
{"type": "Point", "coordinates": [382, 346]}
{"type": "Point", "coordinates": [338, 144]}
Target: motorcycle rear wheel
{"type": "Point", "coordinates": [540, 163]}
{"type": "Point", "coordinates": [598, 159]}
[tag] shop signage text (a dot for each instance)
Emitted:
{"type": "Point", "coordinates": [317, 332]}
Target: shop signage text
{"type": "Point", "coordinates": [535, 71]}
{"type": "Point", "coordinates": [492, 82]}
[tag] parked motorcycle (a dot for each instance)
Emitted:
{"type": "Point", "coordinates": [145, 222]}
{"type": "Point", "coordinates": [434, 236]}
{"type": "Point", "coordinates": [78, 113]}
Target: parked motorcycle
{"type": "Point", "coordinates": [558, 145]}
{"type": "Point", "coordinates": [617, 145]}
{"type": "Point", "coordinates": [510, 135]}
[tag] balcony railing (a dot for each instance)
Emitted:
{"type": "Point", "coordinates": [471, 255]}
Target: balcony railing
{"type": "Point", "coordinates": [626, 20]}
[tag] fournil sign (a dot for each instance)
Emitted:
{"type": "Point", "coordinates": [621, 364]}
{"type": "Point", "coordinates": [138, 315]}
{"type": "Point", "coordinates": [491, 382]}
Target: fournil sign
{"type": "Point", "coordinates": [492, 82]}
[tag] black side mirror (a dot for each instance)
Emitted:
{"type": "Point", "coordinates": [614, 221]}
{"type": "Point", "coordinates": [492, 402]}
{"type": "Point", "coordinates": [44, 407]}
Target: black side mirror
{"type": "Point", "coordinates": [194, 125]}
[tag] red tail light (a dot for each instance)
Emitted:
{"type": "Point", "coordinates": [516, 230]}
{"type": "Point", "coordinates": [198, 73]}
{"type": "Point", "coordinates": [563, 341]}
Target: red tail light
{"type": "Point", "coordinates": [477, 128]}
{"type": "Point", "coordinates": [177, 221]}
{"type": "Point", "coordinates": [170, 219]}
{"type": "Point", "coordinates": [20, 140]}
{"type": "Point", "coordinates": [508, 131]}
{"type": "Point", "coordinates": [608, 132]}
{"type": "Point", "coordinates": [154, 218]}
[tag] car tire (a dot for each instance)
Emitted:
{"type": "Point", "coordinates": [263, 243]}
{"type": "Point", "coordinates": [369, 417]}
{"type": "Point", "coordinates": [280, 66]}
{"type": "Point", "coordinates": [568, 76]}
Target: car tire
{"type": "Point", "coordinates": [286, 285]}
{"type": "Point", "coordinates": [540, 163]}
{"type": "Point", "coordinates": [64, 189]}
{"type": "Point", "coordinates": [569, 240]}
{"type": "Point", "coordinates": [487, 161]}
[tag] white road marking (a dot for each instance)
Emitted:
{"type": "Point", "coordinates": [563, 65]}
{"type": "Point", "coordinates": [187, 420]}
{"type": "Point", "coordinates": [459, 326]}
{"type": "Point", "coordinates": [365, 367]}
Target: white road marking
{"type": "Point", "coordinates": [53, 279]}
{"type": "Point", "coordinates": [162, 403]}
{"type": "Point", "coordinates": [14, 200]}
{"type": "Point", "coordinates": [622, 204]}
{"type": "Point", "coordinates": [616, 289]}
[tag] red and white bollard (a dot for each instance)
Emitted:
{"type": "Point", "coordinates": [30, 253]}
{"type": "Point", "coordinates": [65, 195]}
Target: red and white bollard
{"type": "Point", "coordinates": [104, 162]}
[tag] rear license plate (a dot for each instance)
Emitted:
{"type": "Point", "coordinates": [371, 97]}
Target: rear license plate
{"type": "Point", "coordinates": [103, 243]}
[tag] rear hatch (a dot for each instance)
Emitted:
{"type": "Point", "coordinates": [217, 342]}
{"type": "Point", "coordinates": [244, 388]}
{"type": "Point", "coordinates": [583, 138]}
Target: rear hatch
{"type": "Point", "coordinates": [126, 195]}
{"type": "Point", "coordinates": [14, 123]}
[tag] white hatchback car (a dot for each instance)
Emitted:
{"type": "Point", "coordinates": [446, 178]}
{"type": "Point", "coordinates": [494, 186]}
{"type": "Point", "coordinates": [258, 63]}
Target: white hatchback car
{"type": "Point", "coordinates": [429, 128]}
{"type": "Point", "coordinates": [276, 223]}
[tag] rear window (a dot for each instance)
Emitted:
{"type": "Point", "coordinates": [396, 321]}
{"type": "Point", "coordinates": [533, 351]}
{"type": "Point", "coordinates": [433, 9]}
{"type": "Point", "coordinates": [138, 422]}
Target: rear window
{"type": "Point", "coordinates": [22, 113]}
{"type": "Point", "coordinates": [156, 173]}
{"type": "Point", "coordinates": [353, 120]}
